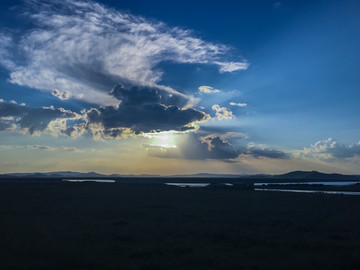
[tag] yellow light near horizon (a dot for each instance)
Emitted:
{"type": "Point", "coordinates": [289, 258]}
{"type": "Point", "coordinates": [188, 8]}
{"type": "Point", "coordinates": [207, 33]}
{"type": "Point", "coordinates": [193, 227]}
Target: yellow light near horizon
{"type": "Point", "coordinates": [165, 140]}
{"type": "Point", "coordinates": [162, 139]}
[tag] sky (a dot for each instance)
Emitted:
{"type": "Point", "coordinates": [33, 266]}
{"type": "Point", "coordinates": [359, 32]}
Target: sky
{"type": "Point", "coordinates": [149, 87]}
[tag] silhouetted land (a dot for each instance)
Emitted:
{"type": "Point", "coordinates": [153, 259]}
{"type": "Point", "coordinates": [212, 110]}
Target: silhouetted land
{"type": "Point", "coordinates": [55, 225]}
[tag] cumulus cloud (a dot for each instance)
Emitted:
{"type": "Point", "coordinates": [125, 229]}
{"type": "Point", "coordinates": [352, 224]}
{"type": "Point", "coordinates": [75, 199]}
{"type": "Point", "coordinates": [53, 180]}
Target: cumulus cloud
{"type": "Point", "coordinates": [38, 119]}
{"type": "Point", "coordinates": [329, 150]}
{"type": "Point", "coordinates": [11, 108]}
{"type": "Point", "coordinates": [85, 48]}
{"type": "Point", "coordinates": [34, 120]}
{"type": "Point", "coordinates": [7, 124]}
{"type": "Point", "coordinates": [222, 112]}
{"type": "Point", "coordinates": [238, 104]}
{"type": "Point", "coordinates": [208, 89]}
{"type": "Point", "coordinates": [141, 110]}
{"type": "Point", "coordinates": [61, 95]}
{"type": "Point", "coordinates": [74, 131]}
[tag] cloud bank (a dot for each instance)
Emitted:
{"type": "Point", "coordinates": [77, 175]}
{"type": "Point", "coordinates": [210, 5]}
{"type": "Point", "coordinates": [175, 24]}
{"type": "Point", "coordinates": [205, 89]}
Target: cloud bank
{"type": "Point", "coordinates": [141, 110]}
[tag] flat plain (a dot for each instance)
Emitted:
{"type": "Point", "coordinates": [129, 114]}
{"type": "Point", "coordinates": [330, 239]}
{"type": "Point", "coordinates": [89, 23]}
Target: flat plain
{"type": "Point", "coordinates": [55, 225]}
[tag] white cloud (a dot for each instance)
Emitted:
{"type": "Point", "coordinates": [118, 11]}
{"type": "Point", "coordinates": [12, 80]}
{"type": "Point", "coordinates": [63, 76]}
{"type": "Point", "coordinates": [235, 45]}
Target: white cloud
{"type": "Point", "coordinates": [208, 89]}
{"type": "Point", "coordinates": [85, 48]}
{"type": "Point", "coordinates": [40, 147]}
{"type": "Point", "coordinates": [222, 112]}
{"type": "Point", "coordinates": [238, 104]}
{"type": "Point", "coordinates": [329, 150]}
{"type": "Point", "coordinates": [61, 95]}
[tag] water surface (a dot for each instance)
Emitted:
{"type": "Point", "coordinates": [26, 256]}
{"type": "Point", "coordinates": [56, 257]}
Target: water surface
{"type": "Point", "coordinates": [342, 183]}
{"type": "Point", "coordinates": [188, 184]}
{"type": "Point", "coordinates": [89, 180]}
{"type": "Point", "coordinates": [311, 191]}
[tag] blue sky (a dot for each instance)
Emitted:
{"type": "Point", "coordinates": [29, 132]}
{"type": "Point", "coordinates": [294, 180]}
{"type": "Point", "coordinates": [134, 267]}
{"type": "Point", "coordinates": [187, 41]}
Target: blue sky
{"type": "Point", "coordinates": [195, 86]}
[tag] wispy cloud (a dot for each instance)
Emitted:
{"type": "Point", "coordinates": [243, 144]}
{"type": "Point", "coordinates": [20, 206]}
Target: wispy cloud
{"type": "Point", "coordinates": [41, 147]}
{"type": "Point", "coordinates": [238, 104]}
{"type": "Point", "coordinates": [85, 48]}
{"type": "Point", "coordinates": [232, 66]}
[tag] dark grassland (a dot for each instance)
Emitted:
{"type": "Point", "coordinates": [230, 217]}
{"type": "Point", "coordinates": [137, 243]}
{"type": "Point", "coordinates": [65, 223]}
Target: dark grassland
{"type": "Point", "coordinates": [149, 226]}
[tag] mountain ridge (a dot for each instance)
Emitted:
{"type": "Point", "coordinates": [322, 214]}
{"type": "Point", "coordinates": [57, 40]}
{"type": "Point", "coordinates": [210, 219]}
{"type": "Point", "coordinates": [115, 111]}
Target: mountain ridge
{"type": "Point", "coordinates": [293, 175]}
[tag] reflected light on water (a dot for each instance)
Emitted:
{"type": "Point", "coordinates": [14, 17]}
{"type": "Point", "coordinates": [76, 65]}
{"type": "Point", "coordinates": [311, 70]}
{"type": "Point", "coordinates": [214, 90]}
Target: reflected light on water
{"type": "Point", "coordinates": [310, 191]}
{"type": "Point", "coordinates": [89, 180]}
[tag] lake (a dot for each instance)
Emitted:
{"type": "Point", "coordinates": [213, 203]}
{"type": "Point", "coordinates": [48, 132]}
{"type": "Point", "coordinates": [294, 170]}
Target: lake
{"type": "Point", "coordinates": [89, 180]}
{"type": "Point", "coordinates": [188, 184]}
{"type": "Point", "coordinates": [310, 191]}
{"type": "Point", "coordinates": [343, 183]}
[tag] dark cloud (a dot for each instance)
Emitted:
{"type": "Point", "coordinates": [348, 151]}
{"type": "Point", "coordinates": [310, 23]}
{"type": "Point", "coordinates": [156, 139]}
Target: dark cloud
{"type": "Point", "coordinates": [141, 110]}
{"type": "Point", "coordinates": [12, 109]}
{"type": "Point", "coordinates": [31, 119]}
{"type": "Point", "coordinates": [61, 95]}
{"type": "Point", "coordinates": [75, 130]}
{"type": "Point", "coordinates": [264, 152]}
{"type": "Point", "coordinates": [130, 94]}
{"type": "Point", "coordinates": [136, 95]}
{"type": "Point", "coordinates": [145, 118]}
{"type": "Point", "coordinates": [5, 124]}
{"type": "Point", "coordinates": [38, 119]}
{"type": "Point", "coordinates": [113, 133]}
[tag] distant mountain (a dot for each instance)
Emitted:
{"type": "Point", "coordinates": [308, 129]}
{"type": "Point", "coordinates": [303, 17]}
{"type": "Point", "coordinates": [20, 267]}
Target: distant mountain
{"type": "Point", "coordinates": [211, 175]}
{"type": "Point", "coordinates": [291, 176]}
{"type": "Point", "coordinates": [54, 175]}
{"type": "Point", "coordinates": [315, 175]}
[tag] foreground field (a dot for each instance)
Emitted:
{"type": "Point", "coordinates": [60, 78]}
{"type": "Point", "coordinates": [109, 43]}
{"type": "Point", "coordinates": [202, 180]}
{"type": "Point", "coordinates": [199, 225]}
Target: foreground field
{"type": "Point", "coordinates": [143, 226]}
